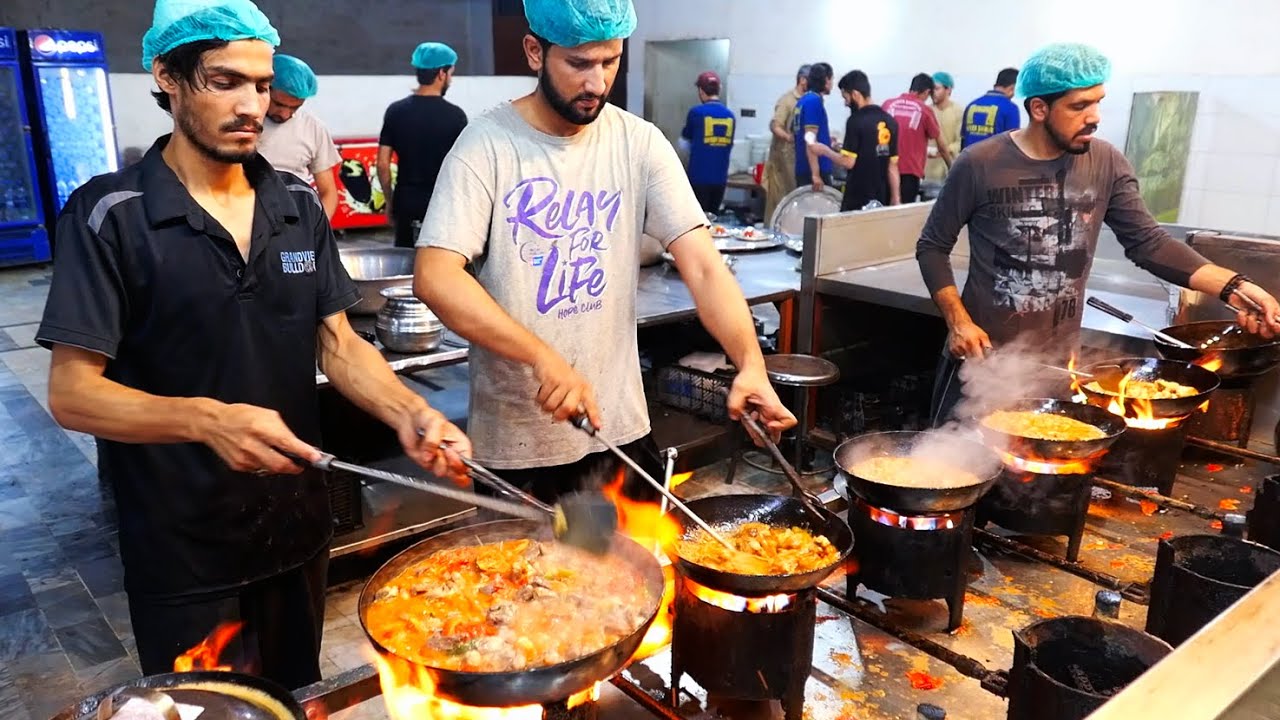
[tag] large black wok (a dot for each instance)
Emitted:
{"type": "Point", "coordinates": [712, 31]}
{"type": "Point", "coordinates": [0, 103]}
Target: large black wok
{"type": "Point", "coordinates": [727, 511]}
{"type": "Point", "coordinates": [534, 685]}
{"type": "Point", "coordinates": [1109, 373]}
{"type": "Point", "coordinates": [219, 705]}
{"type": "Point", "coordinates": [944, 448]}
{"type": "Point", "coordinates": [1240, 353]}
{"type": "Point", "coordinates": [1038, 449]}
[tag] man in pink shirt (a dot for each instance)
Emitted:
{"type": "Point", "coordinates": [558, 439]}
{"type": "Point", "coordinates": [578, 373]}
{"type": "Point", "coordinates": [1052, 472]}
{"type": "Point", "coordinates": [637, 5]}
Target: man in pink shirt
{"type": "Point", "coordinates": [917, 125]}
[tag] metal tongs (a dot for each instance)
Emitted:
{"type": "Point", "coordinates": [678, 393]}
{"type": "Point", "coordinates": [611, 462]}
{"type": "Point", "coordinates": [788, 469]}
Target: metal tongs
{"type": "Point", "coordinates": [1251, 306]}
{"type": "Point", "coordinates": [583, 519]}
{"type": "Point", "coordinates": [811, 503]}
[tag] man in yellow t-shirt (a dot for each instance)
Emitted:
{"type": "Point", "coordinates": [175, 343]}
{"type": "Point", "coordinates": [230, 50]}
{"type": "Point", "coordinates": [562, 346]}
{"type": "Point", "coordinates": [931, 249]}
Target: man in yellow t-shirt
{"type": "Point", "coordinates": [950, 117]}
{"type": "Point", "coordinates": [780, 171]}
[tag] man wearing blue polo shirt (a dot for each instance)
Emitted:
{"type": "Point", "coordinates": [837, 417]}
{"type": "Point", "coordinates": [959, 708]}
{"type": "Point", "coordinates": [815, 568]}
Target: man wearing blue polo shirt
{"type": "Point", "coordinates": [809, 125]}
{"type": "Point", "coordinates": [709, 132]}
{"type": "Point", "coordinates": [992, 113]}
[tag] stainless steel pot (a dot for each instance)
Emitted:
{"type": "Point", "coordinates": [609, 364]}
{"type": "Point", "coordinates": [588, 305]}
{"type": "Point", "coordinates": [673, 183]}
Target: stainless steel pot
{"type": "Point", "coordinates": [405, 325]}
{"type": "Point", "coordinates": [374, 270]}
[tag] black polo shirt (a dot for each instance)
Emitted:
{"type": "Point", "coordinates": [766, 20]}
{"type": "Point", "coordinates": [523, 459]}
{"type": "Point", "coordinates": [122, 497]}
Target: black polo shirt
{"type": "Point", "coordinates": [143, 275]}
{"type": "Point", "coordinates": [871, 137]}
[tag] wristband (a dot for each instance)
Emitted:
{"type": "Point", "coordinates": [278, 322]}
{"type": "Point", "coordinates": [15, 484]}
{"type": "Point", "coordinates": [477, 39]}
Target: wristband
{"type": "Point", "coordinates": [1231, 286]}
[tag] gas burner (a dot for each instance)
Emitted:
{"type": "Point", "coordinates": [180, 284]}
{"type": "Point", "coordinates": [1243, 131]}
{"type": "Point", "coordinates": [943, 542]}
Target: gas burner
{"type": "Point", "coordinates": [1146, 458]}
{"type": "Point", "coordinates": [1229, 418]}
{"type": "Point", "coordinates": [919, 557]}
{"type": "Point", "coordinates": [942, 521]}
{"type": "Point", "coordinates": [1046, 466]}
{"type": "Point", "coordinates": [746, 648]}
{"type": "Point", "coordinates": [1036, 503]}
{"type": "Point", "coordinates": [1264, 517]}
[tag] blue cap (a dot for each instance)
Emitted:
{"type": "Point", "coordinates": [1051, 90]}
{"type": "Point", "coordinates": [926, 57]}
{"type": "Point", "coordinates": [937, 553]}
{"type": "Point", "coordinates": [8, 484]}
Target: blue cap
{"type": "Point", "coordinates": [432, 55]}
{"type": "Point", "coordinates": [294, 77]}
{"type": "Point", "coordinates": [1061, 67]}
{"type": "Point", "coordinates": [944, 79]}
{"type": "Point", "coordinates": [570, 23]}
{"type": "Point", "coordinates": [178, 22]}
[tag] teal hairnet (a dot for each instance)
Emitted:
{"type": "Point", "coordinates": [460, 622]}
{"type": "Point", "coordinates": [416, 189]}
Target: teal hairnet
{"type": "Point", "coordinates": [944, 79]}
{"type": "Point", "coordinates": [569, 23]}
{"type": "Point", "coordinates": [1061, 67]}
{"type": "Point", "coordinates": [178, 22]}
{"type": "Point", "coordinates": [432, 55]}
{"type": "Point", "coordinates": [294, 77]}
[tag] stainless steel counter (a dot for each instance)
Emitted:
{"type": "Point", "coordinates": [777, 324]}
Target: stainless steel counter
{"type": "Point", "coordinates": [661, 297]}
{"type": "Point", "coordinates": [898, 284]}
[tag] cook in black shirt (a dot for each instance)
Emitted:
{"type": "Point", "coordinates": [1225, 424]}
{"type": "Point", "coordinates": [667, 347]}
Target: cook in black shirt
{"type": "Point", "coordinates": [870, 148]}
{"type": "Point", "coordinates": [420, 130]}
{"type": "Point", "coordinates": [193, 295]}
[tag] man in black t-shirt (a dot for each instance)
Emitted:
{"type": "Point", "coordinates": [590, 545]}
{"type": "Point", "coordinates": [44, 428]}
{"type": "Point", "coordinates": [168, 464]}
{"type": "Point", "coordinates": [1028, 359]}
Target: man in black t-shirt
{"type": "Point", "coordinates": [870, 148]}
{"type": "Point", "coordinates": [420, 130]}
{"type": "Point", "coordinates": [194, 294]}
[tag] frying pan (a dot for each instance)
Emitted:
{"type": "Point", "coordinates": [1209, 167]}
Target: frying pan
{"type": "Point", "coordinates": [963, 454]}
{"type": "Point", "coordinates": [1241, 354]}
{"type": "Point", "coordinates": [227, 705]}
{"type": "Point", "coordinates": [1038, 449]}
{"type": "Point", "coordinates": [534, 685]}
{"type": "Point", "coordinates": [777, 510]}
{"type": "Point", "coordinates": [1109, 373]}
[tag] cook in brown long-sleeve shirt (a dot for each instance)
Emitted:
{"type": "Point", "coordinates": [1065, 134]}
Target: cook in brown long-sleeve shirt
{"type": "Point", "coordinates": [1034, 201]}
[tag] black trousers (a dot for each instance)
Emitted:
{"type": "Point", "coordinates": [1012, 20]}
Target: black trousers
{"type": "Point", "coordinates": [710, 197]}
{"type": "Point", "coordinates": [909, 187]}
{"type": "Point", "coordinates": [947, 389]}
{"type": "Point", "coordinates": [409, 206]}
{"type": "Point", "coordinates": [283, 618]}
{"type": "Point", "coordinates": [590, 473]}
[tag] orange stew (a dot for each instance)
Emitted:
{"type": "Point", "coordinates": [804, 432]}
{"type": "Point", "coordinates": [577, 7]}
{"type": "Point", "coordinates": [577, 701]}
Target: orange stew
{"type": "Point", "coordinates": [508, 606]}
{"type": "Point", "coordinates": [761, 550]}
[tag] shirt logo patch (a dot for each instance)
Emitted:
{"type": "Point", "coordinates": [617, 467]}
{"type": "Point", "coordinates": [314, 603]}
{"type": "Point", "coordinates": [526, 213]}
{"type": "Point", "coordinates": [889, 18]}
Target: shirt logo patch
{"type": "Point", "coordinates": [299, 262]}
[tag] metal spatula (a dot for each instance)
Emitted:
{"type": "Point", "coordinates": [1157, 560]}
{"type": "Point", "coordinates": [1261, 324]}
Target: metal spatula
{"type": "Point", "coordinates": [584, 519]}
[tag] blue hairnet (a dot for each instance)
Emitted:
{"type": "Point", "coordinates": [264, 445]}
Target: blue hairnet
{"type": "Point", "coordinates": [1061, 67]}
{"type": "Point", "coordinates": [294, 77]}
{"type": "Point", "coordinates": [944, 79]}
{"type": "Point", "coordinates": [178, 22]}
{"type": "Point", "coordinates": [432, 55]}
{"type": "Point", "coordinates": [569, 23]}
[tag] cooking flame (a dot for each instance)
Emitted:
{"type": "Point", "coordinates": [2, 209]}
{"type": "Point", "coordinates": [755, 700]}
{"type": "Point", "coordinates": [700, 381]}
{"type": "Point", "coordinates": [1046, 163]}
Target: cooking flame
{"type": "Point", "coordinates": [648, 525]}
{"type": "Point", "coordinates": [1045, 466]}
{"type": "Point", "coordinates": [408, 691]}
{"type": "Point", "coordinates": [1138, 412]}
{"type": "Point", "coordinates": [737, 603]}
{"type": "Point", "coordinates": [1211, 361]}
{"type": "Point", "coordinates": [207, 654]}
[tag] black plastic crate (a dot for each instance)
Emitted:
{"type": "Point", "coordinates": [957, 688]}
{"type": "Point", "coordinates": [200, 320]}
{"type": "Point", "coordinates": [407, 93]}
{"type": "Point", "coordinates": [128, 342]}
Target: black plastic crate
{"type": "Point", "coordinates": [344, 501]}
{"type": "Point", "coordinates": [702, 393]}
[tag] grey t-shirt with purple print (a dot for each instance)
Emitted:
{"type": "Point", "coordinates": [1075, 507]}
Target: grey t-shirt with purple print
{"type": "Point", "coordinates": [553, 225]}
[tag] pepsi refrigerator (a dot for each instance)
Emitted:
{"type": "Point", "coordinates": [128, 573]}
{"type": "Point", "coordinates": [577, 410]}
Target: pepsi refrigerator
{"type": "Point", "coordinates": [68, 104]}
{"type": "Point", "coordinates": [23, 237]}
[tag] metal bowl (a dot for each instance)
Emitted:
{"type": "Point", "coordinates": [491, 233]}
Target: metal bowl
{"type": "Point", "coordinates": [405, 324]}
{"type": "Point", "coordinates": [374, 270]}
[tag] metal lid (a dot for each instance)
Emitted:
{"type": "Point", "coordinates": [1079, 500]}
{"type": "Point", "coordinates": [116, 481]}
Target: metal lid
{"type": "Point", "coordinates": [788, 217]}
{"type": "Point", "coordinates": [800, 370]}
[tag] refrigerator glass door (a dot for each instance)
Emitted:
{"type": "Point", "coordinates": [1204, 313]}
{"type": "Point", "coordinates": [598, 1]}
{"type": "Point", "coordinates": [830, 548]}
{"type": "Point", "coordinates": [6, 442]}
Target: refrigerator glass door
{"type": "Point", "coordinates": [77, 119]}
{"type": "Point", "coordinates": [18, 205]}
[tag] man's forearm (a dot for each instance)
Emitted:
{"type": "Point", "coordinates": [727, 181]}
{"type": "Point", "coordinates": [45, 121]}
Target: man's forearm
{"type": "Point", "coordinates": [358, 371]}
{"type": "Point", "coordinates": [811, 153]}
{"type": "Point", "coordinates": [724, 313]}
{"type": "Point", "coordinates": [895, 184]}
{"type": "Point", "coordinates": [779, 133]}
{"type": "Point", "coordinates": [467, 309]}
{"type": "Point", "coordinates": [1210, 279]}
{"type": "Point", "coordinates": [384, 181]}
{"type": "Point", "coordinates": [97, 406]}
{"type": "Point", "coordinates": [951, 307]}
{"type": "Point", "coordinates": [329, 200]}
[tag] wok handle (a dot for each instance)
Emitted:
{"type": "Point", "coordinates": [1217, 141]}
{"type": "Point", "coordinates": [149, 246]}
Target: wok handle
{"type": "Point", "coordinates": [1109, 309]}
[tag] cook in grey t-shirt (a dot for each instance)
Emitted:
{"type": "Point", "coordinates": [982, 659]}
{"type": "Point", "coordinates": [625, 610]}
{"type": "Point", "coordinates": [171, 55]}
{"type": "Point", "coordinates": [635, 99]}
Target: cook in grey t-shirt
{"type": "Point", "coordinates": [1033, 230]}
{"type": "Point", "coordinates": [553, 225]}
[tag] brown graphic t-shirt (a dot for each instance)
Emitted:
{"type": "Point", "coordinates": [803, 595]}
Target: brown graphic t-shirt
{"type": "Point", "coordinates": [1033, 230]}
